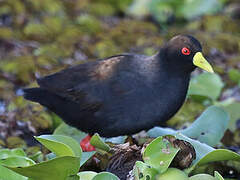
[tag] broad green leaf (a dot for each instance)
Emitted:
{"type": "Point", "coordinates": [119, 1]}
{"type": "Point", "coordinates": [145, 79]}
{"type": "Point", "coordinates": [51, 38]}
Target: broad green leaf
{"type": "Point", "coordinates": [86, 156]}
{"type": "Point", "coordinates": [86, 175]}
{"type": "Point", "coordinates": [5, 153]}
{"type": "Point", "coordinates": [143, 171]}
{"type": "Point", "coordinates": [202, 177]}
{"type": "Point", "coordinates": [105, 176]}
{"type": "Point", "coordinates": [172, 174]}
{"type": "Point", "coordinates": [201, 149]}
{"type": "Point", "coordinates": [206, 84]}
{"type": "Point", "coordinates": [219, 155]}
{"type": "Point", "coordinates": [233, 111]}
{"type": "Point", "coordinates": [14, 160]}
{"type": "Point", "coordinates": [193, 9]}
{"type": "Point", "coordinates": [139, 8]}
{"type": "Point", "coordinates": [159, 154]}
{"type": "Point", "coordinates": [206, 154]}
{"type": "Point", "coordinates": [7, 174]}
{"type": "Point", "coordinates": [61, 145]}
{"type": "Point", "coordinates": [218, 176]}
{"type": "Point", "coordinates": [73, 177]}
{"type": "Point", "coordinates": [59, 168]}
{"type": "Point", "coordinates": [17, 161]}
{"type": "Point", "coordinates": [67, 130]}
{"type": "Point", "coordinates": [234, 75]}
{"type": "Point", "coordinates": [97, 142]}
{"type": "Point", "coordinates": [209, 128]}
{"type": "Point", "coordinates": [116, 140]}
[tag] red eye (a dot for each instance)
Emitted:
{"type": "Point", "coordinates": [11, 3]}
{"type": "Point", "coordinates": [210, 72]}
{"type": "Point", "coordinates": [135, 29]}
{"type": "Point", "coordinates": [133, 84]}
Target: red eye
{"type": "Point", "coordinates": [185, 51]}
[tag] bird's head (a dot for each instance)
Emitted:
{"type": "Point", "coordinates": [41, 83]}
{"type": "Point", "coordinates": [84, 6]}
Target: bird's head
{"type": "Point", "coordinates": [185, 52]}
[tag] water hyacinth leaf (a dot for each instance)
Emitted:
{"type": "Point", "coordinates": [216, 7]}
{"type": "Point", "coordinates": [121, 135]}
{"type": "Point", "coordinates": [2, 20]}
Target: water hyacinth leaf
{"type": "Point", "coordinates": [234, 75]}
{"type": "Point", "coordinates": [139, 8]}
{"type": "Point", "coordinates": [206, 85]}
{"type": "Point", "coordinates": [159, 154]}
{"type": "Point", "coordinates": [209, 128]}
{"type": "Point", "coordinates": [5, 153]}
{"type": "Point", "coordinates": [201, 149]}
{"type": "Point", "coordinates": [142, 171]}
{"type": "Point", "coordinates": [61, 145]}
{"type": "Point", "coordinates": [17, 161]}
{"type": "Point", "coordinates": [218, 155]}
{"type": "Point", "coordinates": [116, 140]}
{"type": "Point", "coordinates": [10, 175]}
{"type": "Point", "coordinates": [67, 130]}
{"type": "Point", "coordinates": [206, 154]}
{"type": "Point", "coordinates": [218, 176]}
{"type": "Point", "coordinates": [14, 161]}
{"type": "Point", "coordinates": [87, 175]}
{"type": "Point", "coordinates": [59, 168]}
{"type": "Point", "coordinates": [193, 9]}
{"type": "Point", "coordinates": [163, 10]}
{"type": "Point", "coordinates": [172, 173]}
{"type": "Point", "coordinates": [105, 176]}
{"type": "Point", "coordinates": [202, 177]}
{"type": "Point", "coordinates": [97, 142]}
{"type": "Point", "coordinates": [233, 111]}
{"type": "Point", "coordinates": [73, 177]}
{"type": "Point", "coordinates": [86, 156]}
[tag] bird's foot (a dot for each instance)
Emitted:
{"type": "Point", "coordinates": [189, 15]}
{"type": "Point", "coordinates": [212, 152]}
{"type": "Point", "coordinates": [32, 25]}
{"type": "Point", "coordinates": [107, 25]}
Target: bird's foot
{"type": "Point", "coordinates": [85, 144]}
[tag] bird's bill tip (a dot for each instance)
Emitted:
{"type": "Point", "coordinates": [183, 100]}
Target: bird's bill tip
{"type": "Point", "coordinates": [201, 62]}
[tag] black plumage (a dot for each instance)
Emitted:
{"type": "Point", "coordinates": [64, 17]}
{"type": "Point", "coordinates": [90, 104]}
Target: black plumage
{"type": "Point", "coordinates": [123, 94]}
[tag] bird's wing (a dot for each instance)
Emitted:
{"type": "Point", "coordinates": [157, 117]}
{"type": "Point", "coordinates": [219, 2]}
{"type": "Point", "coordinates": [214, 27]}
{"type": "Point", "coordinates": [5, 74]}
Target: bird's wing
{"type": "Point", "coordinates": [69, 78]}
{"type": "Point", "coordinates": [91, 79]}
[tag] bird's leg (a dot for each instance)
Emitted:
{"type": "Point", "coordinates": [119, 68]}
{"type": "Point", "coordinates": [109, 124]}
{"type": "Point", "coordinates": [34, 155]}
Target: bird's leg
{"type": "Point", "coordinates": [85, 144]}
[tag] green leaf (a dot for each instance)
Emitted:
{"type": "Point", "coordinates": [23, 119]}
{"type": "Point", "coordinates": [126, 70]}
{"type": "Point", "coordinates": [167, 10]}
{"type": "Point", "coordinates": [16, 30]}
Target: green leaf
{"type": "Point", "coordinates": [7, 174]}
{"type": "Point", "coordinates": [97, 142]}
{"type": "Point", "coordinates": [218, 155]}
{"type": "Point", "coordinates": [5, 153]}
{"type": "Point", "coordinates": [17, 161]}
{"type": "Point", "coordinates": [200, 148]}
{"type": "Point", "coordinates": [209, 128]}
{"type": "Point", "coordinates": [61, 145]}
{"type": "Point", "coordinates": [59, 168]}
{"type": "Point", "coordinates": [14, 159]}
{"type": "Point", "coordinates": [218, 176]}
{"type": "Point", "coordinates": [206, 84]}
{"type": "Point", "coordinates": [67, 130]}
{"type": "Point", "coordinates": [234, 75]}
{"type": "Point", "coordinates": [233, 111]}
{"type": "Point", "coordinates": [139, 8]}
{"type": "Point", "coordinates": [86, 156]}
{"type": "Point", "coordinates": [193, 9]}
{"type": "Point", "coordinates": [159, 154]}
{"type": "Point", "coordinates": [206, 154]}
{"type": "Point", "coordinates": [202, 177]}
{"type": "Point", "coordinates": [172, 174]}
{"type": "Point", "coordinates": [87, 175]}
{"type": "Point", "coordinates": [116, 140]}
{"type": "Point", "coordinates": [105, 176]}
{"type": "Point", "coordinates": [143, 171]}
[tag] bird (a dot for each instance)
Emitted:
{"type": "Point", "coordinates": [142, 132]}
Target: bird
{"type": "Point", "coordinates": [122, 94]}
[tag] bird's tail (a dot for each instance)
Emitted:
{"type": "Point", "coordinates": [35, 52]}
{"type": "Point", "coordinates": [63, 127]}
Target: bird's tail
{"type": "Point", "coordinates": [42, 96]}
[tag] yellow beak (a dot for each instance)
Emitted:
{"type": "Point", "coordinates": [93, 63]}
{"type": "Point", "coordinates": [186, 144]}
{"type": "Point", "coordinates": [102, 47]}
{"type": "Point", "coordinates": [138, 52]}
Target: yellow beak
{"type": "Point", "coordinates": [200, 61]}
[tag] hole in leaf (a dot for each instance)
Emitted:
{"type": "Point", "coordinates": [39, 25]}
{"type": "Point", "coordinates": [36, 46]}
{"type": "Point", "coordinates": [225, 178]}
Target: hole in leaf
{"type": "Point", "coordinates": [148, 177]}
{"type": "Point", "coordinates": [140, 175]}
